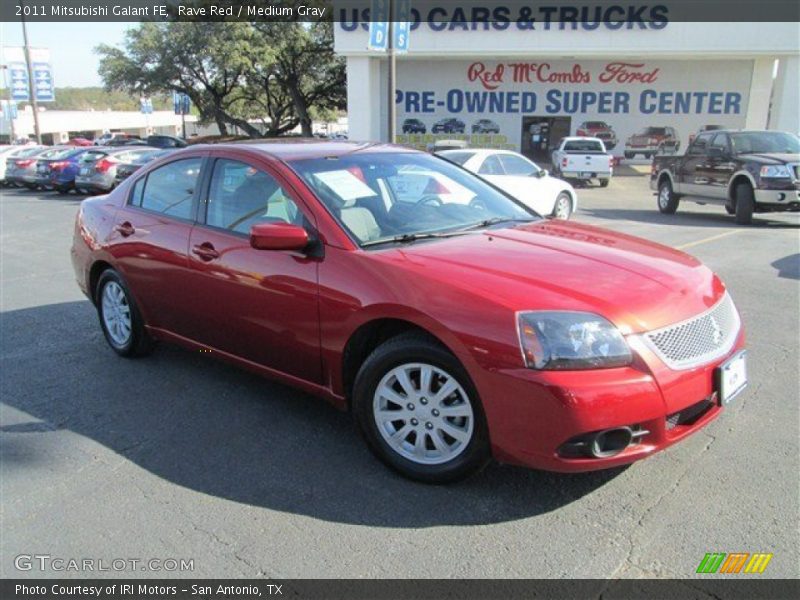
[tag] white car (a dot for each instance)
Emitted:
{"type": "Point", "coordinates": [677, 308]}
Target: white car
{"type": "Point", "coordinates": [519, 177]}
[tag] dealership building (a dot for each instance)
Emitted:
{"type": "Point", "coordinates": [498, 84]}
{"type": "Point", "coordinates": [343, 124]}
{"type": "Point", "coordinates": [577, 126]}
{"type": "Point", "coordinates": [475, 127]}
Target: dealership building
{"type": "Point", "coordinates": [523, 86]}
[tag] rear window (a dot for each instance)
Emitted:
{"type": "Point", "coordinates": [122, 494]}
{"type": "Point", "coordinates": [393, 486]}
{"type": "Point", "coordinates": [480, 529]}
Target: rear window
{"type": "Point", "coordinates": [655, 131]}
{"type": "Point", "coordinates": [583, 146]}
{"type": "Point", "coordinates": [93, 156]}
{"type": "Point", "coordinates": [65, 153]}
{"type": "Point", "coordinates": [595, 125]}
{"type": "Point", "coordinates": [458, 157]}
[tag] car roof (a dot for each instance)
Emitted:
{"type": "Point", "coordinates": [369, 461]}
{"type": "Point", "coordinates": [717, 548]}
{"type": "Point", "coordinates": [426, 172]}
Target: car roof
{"type": "Point", "coordinates": [307, 148]}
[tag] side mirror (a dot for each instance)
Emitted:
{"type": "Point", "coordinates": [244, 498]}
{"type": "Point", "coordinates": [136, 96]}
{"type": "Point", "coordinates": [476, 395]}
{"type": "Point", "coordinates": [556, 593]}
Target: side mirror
{"type": "Point", "coordinates": [278, 236]}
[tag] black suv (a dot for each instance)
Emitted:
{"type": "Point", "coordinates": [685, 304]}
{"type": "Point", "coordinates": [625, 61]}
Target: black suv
{"type": "Point", "coordinates": [414, 126]}
{"type": "Point", "coordinates": [746, 171]}
{"type": "Point", "coordinates": [448, 126]}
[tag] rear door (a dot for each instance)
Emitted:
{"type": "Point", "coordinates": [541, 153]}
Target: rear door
{"type": "Point", "coordinates": [718, 170]}
{"type": "Point", "coordinates": [258, 305]}
{"type": "Point", "coordinates": [151, 239]}
{"type": "Point", "coordinates": [691, 176]}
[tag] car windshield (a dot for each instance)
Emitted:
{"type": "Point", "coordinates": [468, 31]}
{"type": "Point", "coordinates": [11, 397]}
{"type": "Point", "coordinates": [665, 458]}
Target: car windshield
{"type": "Point", "coordinates": [457, 157]}
{"type": "Point", "coordinates": [399, 197]}
{"type": "Point", "coordinates": [765, 141]}
{"type": "Point", "coordinates": [583, 146]}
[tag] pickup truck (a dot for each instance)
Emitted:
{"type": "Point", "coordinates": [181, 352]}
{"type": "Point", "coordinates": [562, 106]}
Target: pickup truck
{"type": "Point", "coordinates": [583, 158]}
{"type": "Point", "coordinates": [745, 171]}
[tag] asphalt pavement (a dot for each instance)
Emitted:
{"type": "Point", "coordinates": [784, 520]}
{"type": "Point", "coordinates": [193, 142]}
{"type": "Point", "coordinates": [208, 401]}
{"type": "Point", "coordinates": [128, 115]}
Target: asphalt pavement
{"type": "Point", "coordinates": [177, 457]}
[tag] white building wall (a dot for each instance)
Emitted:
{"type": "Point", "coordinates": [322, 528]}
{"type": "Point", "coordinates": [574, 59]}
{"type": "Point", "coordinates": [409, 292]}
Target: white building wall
{"type": "Point", "coordinates": [786, 96]}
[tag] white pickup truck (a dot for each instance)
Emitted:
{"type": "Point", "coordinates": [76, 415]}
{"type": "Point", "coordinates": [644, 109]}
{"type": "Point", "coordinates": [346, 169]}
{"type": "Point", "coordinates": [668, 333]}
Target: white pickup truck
{"type": "Point", "coordinates": [583, 158]}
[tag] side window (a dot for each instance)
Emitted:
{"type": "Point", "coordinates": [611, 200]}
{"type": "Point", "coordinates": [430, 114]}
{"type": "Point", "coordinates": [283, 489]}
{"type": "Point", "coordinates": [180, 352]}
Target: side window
{"type": "Point", "coordinates": [241, 196]}
{"type": "Point", "coordinates": [516, 165]}
{"type": "Point", "coordinates": [720, 141]}
{"type": "Point", "coordinates": [491, 166]}
{"type": "Point", "coordinates": [700, 144]}
{"type": "Point", "coordinates": [169, 189]}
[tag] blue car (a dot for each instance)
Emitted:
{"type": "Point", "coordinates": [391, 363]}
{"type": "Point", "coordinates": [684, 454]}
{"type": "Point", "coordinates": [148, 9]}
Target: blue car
{"type": "Point", "coordinates": [58, 170]}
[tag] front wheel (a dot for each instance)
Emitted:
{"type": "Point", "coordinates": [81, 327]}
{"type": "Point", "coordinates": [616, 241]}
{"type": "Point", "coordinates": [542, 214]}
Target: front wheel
{"type": "Point", "coordinates": [419, 412]}
{"type": "Point", "coordinates": [667, 200]}
{"type": "Point", "coordinates": [120, 318]}
{"type": "Point", "coordinates": [745, 204]}
{"type": "Point", "coordinates": [563, 206]}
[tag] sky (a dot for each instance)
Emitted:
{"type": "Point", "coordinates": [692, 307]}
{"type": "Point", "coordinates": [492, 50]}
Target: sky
{"type": "Point", "coordinates": [71, 47]}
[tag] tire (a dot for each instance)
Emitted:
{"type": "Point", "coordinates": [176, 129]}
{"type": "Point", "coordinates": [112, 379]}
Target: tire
{"type": "Point", "coordinates": [125, 333]}
{"type": "Point", "coordinates": [629, 155]}
{"type": "Point", "coordinates": [31, 186]}
{"type": "Point", "coordinates": [745, 204]}
{"type": "Point", "coordinates": [562, 209]}
{"type": "Point", "coordinates": [730, 208]}
{"type": "Point", "coordinates": [667, 200]}
{"type": "Point", "coordinates": [452, 458]}
{"type": "Point", "coordinates": [63, 190]}
{"type": "Point", "coordinates": [604, 182]}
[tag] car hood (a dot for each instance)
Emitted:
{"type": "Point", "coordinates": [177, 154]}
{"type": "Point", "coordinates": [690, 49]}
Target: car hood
{"type": "Point", "coordinates": [771, 158]}
{"type": "Point", "coordinates": [554, 265]}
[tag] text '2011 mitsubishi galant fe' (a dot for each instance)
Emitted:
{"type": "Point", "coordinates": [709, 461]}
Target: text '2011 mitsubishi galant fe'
{"type": "Point", "coordinates": [455, 323]}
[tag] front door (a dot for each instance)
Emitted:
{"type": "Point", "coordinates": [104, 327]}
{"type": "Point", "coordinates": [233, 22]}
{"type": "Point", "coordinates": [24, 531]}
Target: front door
{"type": "Point", "coordinates": [259, 305]}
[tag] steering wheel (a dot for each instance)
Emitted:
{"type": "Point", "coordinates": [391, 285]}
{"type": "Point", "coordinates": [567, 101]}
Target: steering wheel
{"type": "Point", "coordinates": [430, 199]}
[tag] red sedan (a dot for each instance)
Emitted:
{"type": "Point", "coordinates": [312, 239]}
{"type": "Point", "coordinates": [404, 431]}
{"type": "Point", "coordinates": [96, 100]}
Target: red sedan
{"type": "Point", "coordinates": [456, 324]}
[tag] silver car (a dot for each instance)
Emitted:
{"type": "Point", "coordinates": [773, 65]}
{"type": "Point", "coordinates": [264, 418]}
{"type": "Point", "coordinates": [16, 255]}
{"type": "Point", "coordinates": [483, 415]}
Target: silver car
{"type": "Point", "coordinates": [21, 168]}
{"type": "Point", "coordinates": [97, 169]}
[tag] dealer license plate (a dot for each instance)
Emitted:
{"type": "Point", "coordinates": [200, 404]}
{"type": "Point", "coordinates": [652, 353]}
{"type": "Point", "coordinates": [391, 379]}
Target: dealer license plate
{"type": "Point", "coordinates": [732, 377]}
{"type": "Point", "coordinates": [585, 175]}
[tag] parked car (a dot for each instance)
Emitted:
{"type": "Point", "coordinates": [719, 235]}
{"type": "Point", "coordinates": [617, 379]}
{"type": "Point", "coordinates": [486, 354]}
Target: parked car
{"type": "Point", "coordinates": [485, 126]}
{"type": "Point", "coordinates": [9, 153]}
{"type": "Point", "coordinates": [651, 141]}
{"type": "Point", "coordinates": [520, 177]}
{"type": "Point", "coordinates": [80, 141]}
{"type": "Point", "coordinates": [705, 128]}
{"type": "Point", "coordinates": [454, 332]}
{"type": "Point", "coordinates": [57, 170]}
{"type": "Point", "coordinates": [104, 139]}
{"type": "Point", "coordinates": [126, 141]}
{"type": "Point", "coordinates": [414, 126]}
{"type": "Point", "coordinates": [339, 135]}
{"type": "Point", "coordinates": [21, 170]}
{"type": "Point", "coordinates": [97, 170]}
{"type": "Point", "coordinates": [126, 169]}
{"type": "Point", "coordinates": [600, 130]}
{"type": "Point", "coordinates": [165, 141]}
{"type": "Point", "coordinates": [745, 171]}
{"type": "Point", "coordinates": [448, 126]}
{"type": "Point", "coordinates": [583, 159]}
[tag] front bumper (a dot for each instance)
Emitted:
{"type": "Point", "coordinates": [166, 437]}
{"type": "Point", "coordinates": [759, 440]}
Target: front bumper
{"type": "Point", "coordinates": [779, 199]}
{"type": "Point", "coordinates": [95, 184]}
{"type": "Point", "coordinates": [534, 415]}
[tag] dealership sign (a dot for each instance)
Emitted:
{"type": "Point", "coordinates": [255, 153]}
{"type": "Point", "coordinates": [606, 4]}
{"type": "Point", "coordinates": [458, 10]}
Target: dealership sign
{"type": "Point", "coordinates": [458, 98]}
{"type": "Point", "coordinates": [492, 17]}
{"type": "Point", "coordinates": [19, 82]}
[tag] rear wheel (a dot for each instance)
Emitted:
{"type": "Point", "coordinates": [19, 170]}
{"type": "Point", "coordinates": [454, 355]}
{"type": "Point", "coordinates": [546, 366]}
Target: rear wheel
{"type": "Point", "coordinates": [745, 204]}
{"type": "Point", "coordinates": [562, 209]}
{"type": "Point", "coordinates": [604, 182]}
{"type": "Point", "coordinates": [120, 318]}
{"type": "Point", "coordinates": [419, 412]}
{"type": "Point", "coordinates": [667, 200]}
{"type": "Point", "coordinates": [629, 155]}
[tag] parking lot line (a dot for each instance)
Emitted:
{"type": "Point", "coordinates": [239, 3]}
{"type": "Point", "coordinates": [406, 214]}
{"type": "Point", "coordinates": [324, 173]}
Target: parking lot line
{"type": "Point", "coordinates": [708, 239]}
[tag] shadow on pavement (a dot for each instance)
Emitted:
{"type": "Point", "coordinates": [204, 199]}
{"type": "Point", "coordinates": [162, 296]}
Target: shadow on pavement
{"type": "Point", "coordinates": [788, 267]}
{"type": "Point", "coordinates": [716, 219]}
{"type": "Point", "coordinates": [220, 431]}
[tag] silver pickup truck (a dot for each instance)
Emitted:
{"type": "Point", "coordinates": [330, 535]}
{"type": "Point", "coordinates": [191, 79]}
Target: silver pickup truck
{"type": "Point", "coordinates": [583, 158]}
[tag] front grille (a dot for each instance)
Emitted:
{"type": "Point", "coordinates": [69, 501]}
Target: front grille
{"type": "Point", "coordinates": [690, 414]}
{"type": "Point", "coordinates": [698, 340]}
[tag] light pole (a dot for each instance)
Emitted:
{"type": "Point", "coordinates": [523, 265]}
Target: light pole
{"type": "Point", "coordinates": [392, 76]}
{"type": "Point", "coordinates": [31, 82]}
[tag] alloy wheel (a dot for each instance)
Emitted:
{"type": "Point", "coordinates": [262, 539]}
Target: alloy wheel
{"type": "Point", "coordinates": [116, 313]}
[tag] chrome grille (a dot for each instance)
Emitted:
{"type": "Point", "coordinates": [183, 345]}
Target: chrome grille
{"type": "Point", "coordinates": [698, 340]}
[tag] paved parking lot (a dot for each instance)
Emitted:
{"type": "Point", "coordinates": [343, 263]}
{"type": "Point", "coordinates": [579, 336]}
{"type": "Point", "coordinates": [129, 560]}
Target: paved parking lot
{"type": "Point", "coordinates": [174, 456]}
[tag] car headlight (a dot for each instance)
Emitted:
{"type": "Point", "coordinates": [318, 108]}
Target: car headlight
{"type": "Point", "coordinates": [776, 171]}
{"type": "Point", "coordinates": [554, 340]}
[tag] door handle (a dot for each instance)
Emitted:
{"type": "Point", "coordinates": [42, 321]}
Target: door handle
{"type": "Point", "coordinates": [125, 229]}
{"type": "Point", "coordinates": [205, 251]}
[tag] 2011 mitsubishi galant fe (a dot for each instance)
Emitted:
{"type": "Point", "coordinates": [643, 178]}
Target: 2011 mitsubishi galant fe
{"type": "Point", "coordinates": [455, 323]}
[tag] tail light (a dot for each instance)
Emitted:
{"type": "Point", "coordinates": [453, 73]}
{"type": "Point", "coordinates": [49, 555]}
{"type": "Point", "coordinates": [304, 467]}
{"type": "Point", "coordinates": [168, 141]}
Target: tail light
{"type": "Point", "coordinates": [564, 161]}
{"type": "Point", "coordinates": [580, 132]}
{"type": "Point", "coordinates": [25, 163]}
{"type": "Point", "coordinates": [105, 164]}
{"type": "Point", "coordinates": [611, 161]}
{"type": "Point", "coordinates": [58, 165]}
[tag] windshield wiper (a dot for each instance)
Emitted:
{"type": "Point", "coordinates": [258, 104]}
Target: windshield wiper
{"type": "Point", "coordinates": [413, 237]}
{"type": "Point", "coordinates": [497, 221]}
